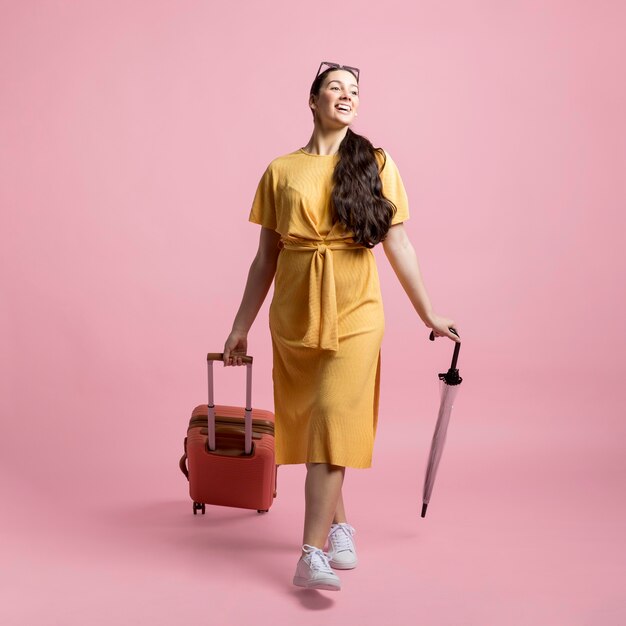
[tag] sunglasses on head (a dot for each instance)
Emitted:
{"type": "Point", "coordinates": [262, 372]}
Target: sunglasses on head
{"type": "Point", "coordinates": [336, 66]}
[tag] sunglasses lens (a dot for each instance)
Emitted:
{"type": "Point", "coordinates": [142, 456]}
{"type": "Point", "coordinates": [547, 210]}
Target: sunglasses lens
{"type": "Point", "coordinates": [324, 65]}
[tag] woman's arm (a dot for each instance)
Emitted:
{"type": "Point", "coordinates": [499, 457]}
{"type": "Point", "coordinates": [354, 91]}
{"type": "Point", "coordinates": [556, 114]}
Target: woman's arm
{"type": "Point", "coordinates": [401, 254]}
{"type": "Point", "coordinates": [260, 277]}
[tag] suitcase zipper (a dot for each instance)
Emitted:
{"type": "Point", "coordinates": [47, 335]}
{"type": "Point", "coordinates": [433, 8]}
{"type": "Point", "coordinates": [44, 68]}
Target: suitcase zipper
{"type": "Point", "coordinates": [258, 426]}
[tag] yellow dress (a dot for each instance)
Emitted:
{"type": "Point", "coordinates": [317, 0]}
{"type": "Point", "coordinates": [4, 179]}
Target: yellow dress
{"type": "Point", "coordinates": [326, 317]}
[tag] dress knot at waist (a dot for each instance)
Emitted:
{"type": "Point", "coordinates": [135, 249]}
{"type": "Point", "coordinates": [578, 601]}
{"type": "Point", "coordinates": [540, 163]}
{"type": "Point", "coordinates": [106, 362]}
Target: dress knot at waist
{"type": "Point", "coordinates": [322, 328]}
{"type": "Point", "coordinates": [321, 246]}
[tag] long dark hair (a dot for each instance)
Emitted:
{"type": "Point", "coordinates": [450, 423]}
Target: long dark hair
{"type": "Point", "coordinates": [357, 194]}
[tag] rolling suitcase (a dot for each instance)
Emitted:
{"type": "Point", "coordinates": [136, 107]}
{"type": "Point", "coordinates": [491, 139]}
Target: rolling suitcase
{"type": "Point", "coordinates": [229, 452]}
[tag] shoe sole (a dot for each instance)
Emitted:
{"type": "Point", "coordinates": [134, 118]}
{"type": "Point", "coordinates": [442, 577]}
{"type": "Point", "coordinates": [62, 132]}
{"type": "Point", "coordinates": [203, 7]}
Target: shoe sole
{"type": "Point", "coordinates": [343, 565]}
{"type": "Point", "coordinates": [315, 584]}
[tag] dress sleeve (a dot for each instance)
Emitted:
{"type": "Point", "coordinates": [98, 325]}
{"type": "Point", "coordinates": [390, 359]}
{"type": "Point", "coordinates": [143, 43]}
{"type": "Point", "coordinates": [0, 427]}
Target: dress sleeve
{"type": "Point", "coordinates": [393, 189]}
{"type": "Point", "coordinates": [263, 209]}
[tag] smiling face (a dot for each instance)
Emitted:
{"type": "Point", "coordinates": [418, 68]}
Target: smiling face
{"type": "Point", "coordinates": [338, 99]}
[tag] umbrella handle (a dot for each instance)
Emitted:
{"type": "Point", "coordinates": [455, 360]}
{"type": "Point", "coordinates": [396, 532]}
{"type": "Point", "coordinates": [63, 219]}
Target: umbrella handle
{"type": "Point", "coordinates": [452, 330]}
{"type": "Point", "coordinates": [452, 377]}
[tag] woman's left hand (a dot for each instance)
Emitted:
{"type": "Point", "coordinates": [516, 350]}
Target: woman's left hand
{"type": "Point", "coordinates": [440, 327]}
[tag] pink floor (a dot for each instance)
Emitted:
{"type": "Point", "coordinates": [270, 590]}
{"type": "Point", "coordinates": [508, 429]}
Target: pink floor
{"type": "Point", "coordinates": [526, 526]}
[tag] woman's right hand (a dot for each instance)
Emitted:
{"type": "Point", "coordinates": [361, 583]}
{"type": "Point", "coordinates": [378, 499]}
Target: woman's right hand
{"type": "Point", "coordinates": [236, 344]}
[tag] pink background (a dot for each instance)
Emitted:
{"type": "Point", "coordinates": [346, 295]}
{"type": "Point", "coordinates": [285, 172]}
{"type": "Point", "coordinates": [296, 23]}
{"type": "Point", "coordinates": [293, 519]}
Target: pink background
{"type": "Point", "coordinates": [133, 135]}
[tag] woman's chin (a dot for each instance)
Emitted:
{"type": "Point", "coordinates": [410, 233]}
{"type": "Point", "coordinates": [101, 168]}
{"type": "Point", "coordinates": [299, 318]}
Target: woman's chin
{"type": "Point", "coordinates": [337, 123]}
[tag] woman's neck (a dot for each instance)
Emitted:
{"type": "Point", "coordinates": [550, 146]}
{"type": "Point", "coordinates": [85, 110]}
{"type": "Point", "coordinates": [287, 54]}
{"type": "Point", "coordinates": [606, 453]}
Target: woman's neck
{"type": "Point", "coordinates": [325, 142]}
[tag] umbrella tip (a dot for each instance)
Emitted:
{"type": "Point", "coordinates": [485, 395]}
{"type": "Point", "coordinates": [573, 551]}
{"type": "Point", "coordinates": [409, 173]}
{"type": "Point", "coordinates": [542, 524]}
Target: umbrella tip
{"type": "Point", "coordinates": [424, 507]}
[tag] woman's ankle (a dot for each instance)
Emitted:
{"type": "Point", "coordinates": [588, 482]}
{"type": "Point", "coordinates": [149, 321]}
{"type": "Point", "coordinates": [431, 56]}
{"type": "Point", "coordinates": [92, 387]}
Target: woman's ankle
{"type": "Point", "coordinates": [304, 552]}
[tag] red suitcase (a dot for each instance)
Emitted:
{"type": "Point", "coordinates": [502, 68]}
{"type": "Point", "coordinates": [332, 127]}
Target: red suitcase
{"type": "Point", "coordinates": [229, 452]}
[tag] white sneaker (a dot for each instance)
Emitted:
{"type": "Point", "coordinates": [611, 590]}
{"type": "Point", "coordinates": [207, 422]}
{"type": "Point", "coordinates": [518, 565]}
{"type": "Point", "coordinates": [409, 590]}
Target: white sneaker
{"type": "Point", "coordinates": [342, 553]}
{"type": "Point", "coordinates": [314, 572]}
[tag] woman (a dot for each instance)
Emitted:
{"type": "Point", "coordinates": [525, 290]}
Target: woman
{"type": "Point", "coordinates": [322, 208]}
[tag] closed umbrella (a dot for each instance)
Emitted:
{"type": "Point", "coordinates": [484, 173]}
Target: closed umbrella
{"type": "Point", "coordinates": [449, 386]}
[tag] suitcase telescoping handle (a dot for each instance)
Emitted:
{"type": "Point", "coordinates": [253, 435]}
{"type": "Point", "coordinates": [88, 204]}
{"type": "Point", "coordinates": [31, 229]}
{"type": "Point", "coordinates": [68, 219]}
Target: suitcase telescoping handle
{"type": "Point", "coordinates": [219, 356]}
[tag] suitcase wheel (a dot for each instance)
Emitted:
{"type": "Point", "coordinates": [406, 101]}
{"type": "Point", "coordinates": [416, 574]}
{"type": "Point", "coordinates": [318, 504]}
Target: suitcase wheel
{"type": "Point", "coordinates": [198, 506]}
{"type": "Point", "coordinates": [262, 510]}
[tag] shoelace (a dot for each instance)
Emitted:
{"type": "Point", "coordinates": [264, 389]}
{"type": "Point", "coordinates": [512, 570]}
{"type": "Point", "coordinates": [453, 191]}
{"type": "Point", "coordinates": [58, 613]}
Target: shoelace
{"type": "Point", "coordinates": [318, 558]}
{"type": "Point", "coordinates": [341, 537]}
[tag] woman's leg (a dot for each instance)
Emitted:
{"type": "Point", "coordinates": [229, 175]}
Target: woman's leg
{"type": "Point", "coordinates": [322, 492]}
{"type": "Point", "coordinates": [340, 511]}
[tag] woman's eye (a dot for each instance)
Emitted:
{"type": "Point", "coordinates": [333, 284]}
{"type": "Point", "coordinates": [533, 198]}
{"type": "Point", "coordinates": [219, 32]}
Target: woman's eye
{"type": "Point", "coordinates": [354, 93]}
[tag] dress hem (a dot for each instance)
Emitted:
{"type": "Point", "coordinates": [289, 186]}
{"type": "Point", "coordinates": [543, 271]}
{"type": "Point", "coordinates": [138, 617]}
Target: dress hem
{"type": "Point", "coordinates": [351, 465]}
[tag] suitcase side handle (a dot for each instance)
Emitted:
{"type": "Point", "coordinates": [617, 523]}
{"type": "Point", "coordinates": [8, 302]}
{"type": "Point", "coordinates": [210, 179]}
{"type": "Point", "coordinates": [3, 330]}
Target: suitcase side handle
{"type": "Point", "coordinates": [217, 356]}
{"type": "Point", "coordinates": [183, 461]}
